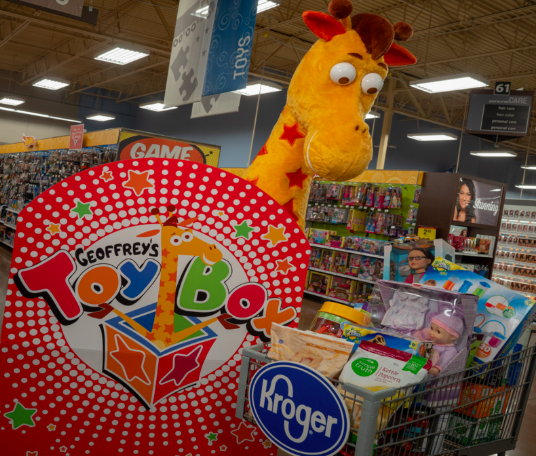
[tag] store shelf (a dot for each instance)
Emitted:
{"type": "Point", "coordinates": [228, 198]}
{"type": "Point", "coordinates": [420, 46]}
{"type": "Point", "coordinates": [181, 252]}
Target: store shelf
{"type": "Point", "coordinates": [329, 298]}
{"type": "Point", "coordinates": [7, 243]}
{"type": "Point", "coordinates": [516, 263]}
{"type": "Point", "coordinates": [515, 278]}
{"type": "Point", "coordinates": [13, 210]}
{"type": "Point", "coordinates": [342, 275]}
{"type": "Point", "coordinates": [473, 254]}
{"type": "Point", "coordinates": [517, 233]}
{"type": "Point", "coordinates": [345, 251]}
{"type": "Point", "coordinates": [517, 248]}
{"type": "Point", "coordinates": [13, 227]}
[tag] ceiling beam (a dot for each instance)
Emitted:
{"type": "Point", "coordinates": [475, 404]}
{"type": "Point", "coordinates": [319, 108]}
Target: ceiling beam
{"type": "Point", "coordinates": [14, 33]}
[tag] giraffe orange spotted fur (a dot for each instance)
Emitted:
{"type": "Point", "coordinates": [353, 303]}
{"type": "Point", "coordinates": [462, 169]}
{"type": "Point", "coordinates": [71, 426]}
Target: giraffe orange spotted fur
{"type": "Point", "coordinates": [176, 240]}
{"type": "Point", "coordinates": [322, 128]}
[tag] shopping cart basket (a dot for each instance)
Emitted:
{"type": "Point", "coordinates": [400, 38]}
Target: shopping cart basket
{"type": "Point", "coordinates": [471, 412]}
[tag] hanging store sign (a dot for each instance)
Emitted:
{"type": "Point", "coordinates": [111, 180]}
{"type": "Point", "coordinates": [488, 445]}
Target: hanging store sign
{"type": "Point", "coordinates": [299, 409]}
{"type": "Point", "coordinates": [214, 105]}
{"type": "Point", "coordinates": [503, 115]}
{"type": "Point", "coordinates": [28, 141]}
{"type": "Point", "coordinates": [70, 7]}
{"type": "Point", "coordinates": [132, 144]}
{"type": "Point", "coordinates": [76, 139]}
{"type": "Point", "coordinates": [211, 49]}
{"type": "Point", "coordinates": [133, 288]}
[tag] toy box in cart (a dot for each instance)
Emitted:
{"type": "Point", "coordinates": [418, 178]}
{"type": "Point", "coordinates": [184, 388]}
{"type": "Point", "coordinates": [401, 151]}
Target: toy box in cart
{"type": "Point", "coordinates": [502, 314]}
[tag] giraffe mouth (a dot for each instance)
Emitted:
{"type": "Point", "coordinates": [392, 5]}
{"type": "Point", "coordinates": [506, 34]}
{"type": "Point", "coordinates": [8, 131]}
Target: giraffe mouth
{"type": "Point", "coordinates": [207, 261]}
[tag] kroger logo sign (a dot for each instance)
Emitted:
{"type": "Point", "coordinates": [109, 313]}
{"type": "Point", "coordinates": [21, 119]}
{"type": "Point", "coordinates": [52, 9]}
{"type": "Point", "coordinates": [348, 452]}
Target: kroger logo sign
{"type": "Point", "coordinates": [299, 410]}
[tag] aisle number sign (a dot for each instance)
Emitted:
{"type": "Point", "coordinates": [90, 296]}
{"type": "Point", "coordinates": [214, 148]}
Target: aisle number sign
{"type": "Point", "coordinates": [427, 232]}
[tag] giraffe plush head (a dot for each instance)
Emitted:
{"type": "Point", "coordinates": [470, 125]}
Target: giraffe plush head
{"type": "Point", "coordinates": [337, 82]}
{"type": "Point", "coordinates": [177, 239]}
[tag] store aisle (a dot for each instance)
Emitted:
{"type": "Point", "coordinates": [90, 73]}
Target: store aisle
{"type": "Point", "coordinates": [526, 443]}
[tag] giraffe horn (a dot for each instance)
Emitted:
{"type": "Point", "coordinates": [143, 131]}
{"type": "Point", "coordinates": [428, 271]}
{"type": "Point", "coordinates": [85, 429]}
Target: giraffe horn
{"type": "Point", "coordinates": [156, 213]}
{"type": "Point", "coordinates": [341, 9]}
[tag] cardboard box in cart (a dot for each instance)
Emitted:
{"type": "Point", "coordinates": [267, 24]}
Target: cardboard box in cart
{"type": "Point", "coordinates": [472, 392]}
{"type": "Point", "coordinates": [471, 431]}
{"type": "Point", "coordinates": [502, 314]}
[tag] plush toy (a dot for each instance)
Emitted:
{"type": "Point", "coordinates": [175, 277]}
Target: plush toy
{"type": "Point", "coordinates": [322, 129]}
{"type": "Point", "coordinates": [443, 332]}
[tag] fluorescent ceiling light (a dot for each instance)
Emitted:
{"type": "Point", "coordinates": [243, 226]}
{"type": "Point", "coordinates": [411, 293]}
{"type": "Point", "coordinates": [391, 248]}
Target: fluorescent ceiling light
{"type": "Point", "coordinates": [51, 84]}
{"type": "Point", "coordinates": [11, 100]}
{"type": "Point", "coordinates": [122, 54]}
{"type": "Point", "coordinates": [529, 167]}
{"type": "Point", "coordinates": [372, 115]}
{"type": "Point", "coordinates": [432, 136]}
{"type": "Point", "coordinates": [451, 82]}
{"type": "Point", "coordinates": [264, 5]}
{"type": "Point", "coordinates": [496, 190]}
{"type": "Point", "coordinates": [527, 187]}
{"type": "Point", "coordinates": [494, 153]}
{"type": "Point", "coordinates": [254, 88]}
{"type": "Point", "coordinates": [156, 106]}
{"type": "Point", "coordinates": [38, 114]}
{"type": "Point", "coordinates": [201, 12]}
{"type": "Point", "coordinates": [100, 117]}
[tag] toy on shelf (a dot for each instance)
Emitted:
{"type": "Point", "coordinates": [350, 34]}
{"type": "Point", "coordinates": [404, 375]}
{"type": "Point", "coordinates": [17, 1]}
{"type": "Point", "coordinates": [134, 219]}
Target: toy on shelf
{"type": "Point", "coordinates": [342, 288]}
{"type": "Point", "coordinates": [319, 283]}
{"type": "Point", "coordinates": [367, 269]}
{"type": "Point", "coordinates": [354, 265]}
{"type": "Point", "coordinates": [326, 261]}
{"type": "Point", "coordinates": [340, 261]}
{"type": "Point", "coordinates": [314, 259]}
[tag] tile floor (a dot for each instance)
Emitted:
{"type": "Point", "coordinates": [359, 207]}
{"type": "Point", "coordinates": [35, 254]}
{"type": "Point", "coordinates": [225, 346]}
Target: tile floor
{"type": "Point", "coordinates": [526, 445]}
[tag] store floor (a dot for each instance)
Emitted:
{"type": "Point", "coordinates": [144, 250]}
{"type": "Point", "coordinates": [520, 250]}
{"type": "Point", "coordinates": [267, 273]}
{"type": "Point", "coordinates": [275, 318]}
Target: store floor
{"type": "Point", "coordinates": [525, 445]}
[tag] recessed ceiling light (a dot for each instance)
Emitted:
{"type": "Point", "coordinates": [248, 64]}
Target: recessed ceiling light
{"type": "Point", "coordinates": [451, 82]}
{"type": "Point", "coordinates": [123, 54]}
{"type": "Point", "coordinates": [494, 153]}
{"type": "Point", "coordinates": [527, 187]}
{"type": "Point", "coordinates": [529, 167]}
{"type": "Point", "coordinates": [11, 100]}
{"type": "Point", "coordinates": [255, 87]}
{"type": "Point", "coordinates": [157, 106]}
{"type": "Point", "coordinates": [38, 114]}
{"type": "Point", "coordinates": [432, 136]}
{"type": "Point", "coordinates": [51, 84]}
{"type": "Point", "coordinates": [100, 117]}
{"type": "Point", "coordinates": [262, 5]}
{"type": "Point", "coordinates": [372, 115]}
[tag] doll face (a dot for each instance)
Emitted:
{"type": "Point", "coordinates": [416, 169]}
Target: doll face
{"type": "Point", "coordinates": [440, 336]}
{"type": "Point", "coordinates": [418, 262]}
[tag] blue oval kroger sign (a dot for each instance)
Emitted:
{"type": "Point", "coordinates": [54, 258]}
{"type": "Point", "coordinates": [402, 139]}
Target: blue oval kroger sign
{"type": "Point", "coordinates": [299, 410]}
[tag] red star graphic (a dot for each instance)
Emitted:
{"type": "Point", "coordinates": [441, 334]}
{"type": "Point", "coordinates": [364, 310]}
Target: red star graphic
{"type": "Point", "coordinates": [171, 297]}
{"type": "Point", "coordinates": [170, 329]}
{"type": "Point", "coordinates": [106, 176]}
{"type": "Point", "coordinates": [244, 433]}
{"type": "Point", "coordinates": [159, 311]}
{"type": "Point", "coordinates": [165, 253]}
{"type": "Point", "coordinates": [283, 265]}
{"type": "Point", "coordinates": [63, 449]}
{"type": "Point", "coordinates": [182, 366]}
{"type": "Point", "coordinates": [291, 133]}
{"type": "Point", "coordinates": [296, 178]}
{"type": "Point", "coordinates": [151, 337]}
{"type": "Point", "coordinates": [289, 207]}
{"type": "Point", "coordinates": [157, 325]}
{"type": "Point", "coordinates": [130, 360]}
{"type": "Point", "coordinates": [263, 151]}
{"type": "Point", "coordinates": [168, 340]}
{"type": "Point", "coordinates": [31, 453]}
{"type": "Point", "coordinates": [138, 181]}
{"type": "Point", "coordinates": [254, 181]}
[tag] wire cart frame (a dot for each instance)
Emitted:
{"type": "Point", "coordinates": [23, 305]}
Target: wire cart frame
{"type": "Point", "coordinates": [473, 412]}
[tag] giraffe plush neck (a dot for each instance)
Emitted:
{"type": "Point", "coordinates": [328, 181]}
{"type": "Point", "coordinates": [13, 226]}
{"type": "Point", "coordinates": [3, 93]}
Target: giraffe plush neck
{"type": "Point", "coordinates": [322, 129]}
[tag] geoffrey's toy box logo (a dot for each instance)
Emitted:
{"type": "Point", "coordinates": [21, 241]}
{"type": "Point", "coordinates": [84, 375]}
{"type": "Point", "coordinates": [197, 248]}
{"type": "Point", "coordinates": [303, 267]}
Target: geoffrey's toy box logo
{"type": "Point", "coordinates": [155, 282]}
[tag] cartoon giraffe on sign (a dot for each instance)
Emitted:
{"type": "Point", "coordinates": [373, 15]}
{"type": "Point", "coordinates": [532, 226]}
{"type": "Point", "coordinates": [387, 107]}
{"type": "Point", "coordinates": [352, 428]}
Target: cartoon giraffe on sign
{"type": "Point", "coordinates": [176, 240]}
{"type": "Point", "coordinates": [322, 129]}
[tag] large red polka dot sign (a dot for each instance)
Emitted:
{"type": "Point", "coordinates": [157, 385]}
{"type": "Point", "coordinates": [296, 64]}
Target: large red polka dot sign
{"type": "Point", "coordinates": [133, 288]}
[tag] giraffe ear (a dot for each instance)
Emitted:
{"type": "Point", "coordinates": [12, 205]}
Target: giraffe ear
{"type": "Point", "coordinates": [399, 56]}
{"type": "Point", "coordinates": [323, 25]}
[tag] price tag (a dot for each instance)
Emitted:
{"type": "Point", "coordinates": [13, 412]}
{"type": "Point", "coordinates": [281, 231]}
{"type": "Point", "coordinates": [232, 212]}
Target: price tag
{"type": "Point", "coordinates": [427, 232]}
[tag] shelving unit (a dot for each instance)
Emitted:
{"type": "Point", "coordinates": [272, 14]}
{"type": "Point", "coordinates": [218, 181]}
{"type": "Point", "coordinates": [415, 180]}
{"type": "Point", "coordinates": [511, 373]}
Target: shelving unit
{"type": "Point", "coordinates": [321, 246]}
{"type": "Point", "coordinates": [328, 298]}
{"type": "Point", "coordinates": [7, 243]}
{"type": "Point", "coordinates": [13, 210]}
{"type": "Point", "coordinates": [342, 275]}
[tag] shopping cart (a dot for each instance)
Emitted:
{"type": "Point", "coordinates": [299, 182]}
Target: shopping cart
{"type": "Point", "coordinates": [472, 412]}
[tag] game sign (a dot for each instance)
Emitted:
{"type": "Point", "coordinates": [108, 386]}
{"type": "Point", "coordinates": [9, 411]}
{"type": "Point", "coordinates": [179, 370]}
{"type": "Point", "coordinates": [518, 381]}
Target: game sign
{"type": "Point", "coordinates": [132, 290]}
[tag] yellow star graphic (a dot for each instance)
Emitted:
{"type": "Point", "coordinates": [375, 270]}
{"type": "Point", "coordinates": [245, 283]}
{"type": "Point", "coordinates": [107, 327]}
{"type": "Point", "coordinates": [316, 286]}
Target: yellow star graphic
{"type": "Point", "coordinates": [267, 444]}
{"type": "Point", "coordinates": [220, 213]}
{"type": "Point", "coordinates": [51, 427]}
{"type": "Point", "coordinates": [275, 235]}
{"type": "Point", "coordinates": [54, 228]}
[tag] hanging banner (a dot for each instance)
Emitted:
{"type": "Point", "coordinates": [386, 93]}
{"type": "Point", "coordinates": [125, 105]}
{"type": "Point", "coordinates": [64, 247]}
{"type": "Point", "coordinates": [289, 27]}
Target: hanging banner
{"type": "Point", "coordinates": [211, 49]}
{"type": "Point", "coordinates": [132, 144]}
{"type": "Point", "coordinates": [69, 7]}
{"type": "Point", "coordinates": [76, 139]}
{"type": "Point", "coordinates": [213, 105]}
{"type": "Point", "coordinates": [133, 288]}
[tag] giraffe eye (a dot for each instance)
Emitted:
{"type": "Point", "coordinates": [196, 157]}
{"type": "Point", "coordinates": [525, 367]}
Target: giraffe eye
{"type": "Point", "coordinates": [187, 237]}
{"type": "Point", "coordinates": [175, 240]}
{"type": "Point", "coordinates": [343, 73]}
{"type": "Point", "coordinates": [372, 83]}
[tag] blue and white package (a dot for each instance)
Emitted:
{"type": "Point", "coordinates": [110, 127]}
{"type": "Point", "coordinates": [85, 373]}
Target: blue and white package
{"type": "Point", "coordinates": [502, 314]}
